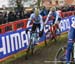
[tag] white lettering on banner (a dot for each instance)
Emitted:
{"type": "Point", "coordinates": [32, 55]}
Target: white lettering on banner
{"type": "Point", "coordinates": [8, 44]}
{"type": "Point", "coordinates": [67, 23]}
{"type": "Point", "coordinates": [3, 49]}
{"type": "Point", "coordinates": [24, 40]}
{"type": "Point", "coordinates": [13, 42]}
{"type": "Point", "coordinates": [62, 25]}
{"type": "Point", "coordinates": [28, 35]}
{"type": "Point", "coordinates": [16, 41]}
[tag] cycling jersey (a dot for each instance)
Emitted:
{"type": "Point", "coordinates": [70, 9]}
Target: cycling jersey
{"type": "Point", "coordinates": [55, 15]}
{"type": "Point", "coordinates": [36, 20]}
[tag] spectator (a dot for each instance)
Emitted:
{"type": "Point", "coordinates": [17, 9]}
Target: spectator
{"type": "Point", "coordinates": [28, 14]}
{"type": "Point", "coordinates": [1, 18]}
{"type": "Point", "coordinates": [22, 15]}
{"type": "Point", "coordinates": [11, 16]}
{"type": "Point", "coordinates": [72, 8]}
{"type": "Point", "coordinates": [25, 14]}
{"type": "Point", "coordinates": [17, 15]}
{"type": "Point", "coordinates": [64, 9]}
{"type": "Point", "coordinates": [5, 17]}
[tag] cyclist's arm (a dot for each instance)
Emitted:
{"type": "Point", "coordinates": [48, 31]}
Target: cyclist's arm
{"type": "Point", "coordinates": [48, 17]}
{"type": "Point", "coordinates": [41, 23]}
{"type": "Point", "coordinates": [30, 20]}
{"type": "Point", "coordinates": [57, 16]}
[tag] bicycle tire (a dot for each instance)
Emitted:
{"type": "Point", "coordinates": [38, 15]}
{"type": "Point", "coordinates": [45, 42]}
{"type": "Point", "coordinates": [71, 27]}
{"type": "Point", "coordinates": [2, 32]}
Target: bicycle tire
{"type": "Point", "coordinates": [45, 41]}
{"type": "Point", "coordinates": [60, 55]}
{"type": "Point", "coordinates": [30, 49]}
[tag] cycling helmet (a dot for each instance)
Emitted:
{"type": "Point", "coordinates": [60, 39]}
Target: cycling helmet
{"type": "Point", "coordinates": [36, 11]}
{"type": "Point", "coordinates": [53, 9]}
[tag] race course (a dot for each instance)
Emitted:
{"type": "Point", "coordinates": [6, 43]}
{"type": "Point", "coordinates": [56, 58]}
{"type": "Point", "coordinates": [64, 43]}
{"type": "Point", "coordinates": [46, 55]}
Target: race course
{"type": "Point", "coordinates": [45, 55]}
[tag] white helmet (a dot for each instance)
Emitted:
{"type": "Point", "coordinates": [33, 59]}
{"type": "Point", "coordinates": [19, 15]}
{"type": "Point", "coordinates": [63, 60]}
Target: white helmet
{"type": "Point", "coordinates": [36, 11]}
{"type": "Point", "coordinates": [53, 9]}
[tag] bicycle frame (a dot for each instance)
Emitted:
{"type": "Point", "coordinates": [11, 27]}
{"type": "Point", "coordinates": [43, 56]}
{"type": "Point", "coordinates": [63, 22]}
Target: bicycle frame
{"type": "Point", "coordinates": [31, 39]}
{"type": "Point", "coordinates": [34, 37]}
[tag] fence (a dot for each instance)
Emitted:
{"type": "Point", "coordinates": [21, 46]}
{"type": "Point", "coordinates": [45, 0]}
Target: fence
{"type": "Point", "coordinates": [21, 24]}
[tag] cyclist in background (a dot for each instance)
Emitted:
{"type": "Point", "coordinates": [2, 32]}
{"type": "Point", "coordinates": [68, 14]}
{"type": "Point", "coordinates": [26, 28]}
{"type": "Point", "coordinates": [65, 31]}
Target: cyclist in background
{"type": "Point", "coordinates": [37, 21]}
{"type": "Point", "coordinates": [55, 16]}
{"type": "Point", "coordinates": [71, 39]}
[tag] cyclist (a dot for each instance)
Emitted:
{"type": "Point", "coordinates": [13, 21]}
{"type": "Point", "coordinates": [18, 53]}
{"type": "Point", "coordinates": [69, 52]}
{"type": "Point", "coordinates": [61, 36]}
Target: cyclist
{"type": "Point", "coordinates": [37, 21]}
{"type": "Point", "coordinates": [71, 37]}
{"type": "Point", "coordinates": [55, 17]}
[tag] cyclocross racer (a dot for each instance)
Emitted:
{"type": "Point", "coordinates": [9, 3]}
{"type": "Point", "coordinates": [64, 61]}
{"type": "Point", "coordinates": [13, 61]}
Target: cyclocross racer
{"type": "Point", "coordinates": [37, 21]}
{"type": "Point", "coordinates": [71, 37]}
{"type": "Point", "coordinates": [55, 17]}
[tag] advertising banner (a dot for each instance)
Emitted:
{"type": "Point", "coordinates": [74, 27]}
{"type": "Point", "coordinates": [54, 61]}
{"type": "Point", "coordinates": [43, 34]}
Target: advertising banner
{"type": "Point", "coordinates": [15, 41]}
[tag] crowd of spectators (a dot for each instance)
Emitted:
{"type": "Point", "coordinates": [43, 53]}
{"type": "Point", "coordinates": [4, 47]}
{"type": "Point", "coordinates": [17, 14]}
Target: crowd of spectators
{"type": "Point", "coordinates": [13, 15]}
{"type": "Point", "coordinates": [67, 8]}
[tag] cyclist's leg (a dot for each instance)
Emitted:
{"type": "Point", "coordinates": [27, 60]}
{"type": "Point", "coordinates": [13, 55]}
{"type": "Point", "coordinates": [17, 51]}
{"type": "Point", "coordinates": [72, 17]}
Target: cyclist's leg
{"type": "Point", "coordinates": [69, 50]}
{"type": "Point", "coordinates": [70, 43]}
{"type": "Point", "coordinates": [53, 20]}
{"type": "Point", "coordinates": [33, 27]}
{"type": "Point", "coordinates": [38, 37]}
{"type": "Point", "coordinates": [58, 31]}
{"type": "Point", "coordinates": [37, 28]}
{"type": "Point", "coordinates": [52, 30]}
{"type": "Point", "coordinates": [32, 33]}
{"type": "Point", "coordinates": [40, 32]}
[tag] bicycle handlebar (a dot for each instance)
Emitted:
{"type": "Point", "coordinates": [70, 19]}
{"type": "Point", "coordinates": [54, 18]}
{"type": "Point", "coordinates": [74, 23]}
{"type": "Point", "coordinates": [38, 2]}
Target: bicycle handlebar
{"type": "Point", "coordinates": [31, 31]}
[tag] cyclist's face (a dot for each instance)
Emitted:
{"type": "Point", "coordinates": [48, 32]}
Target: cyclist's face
{"type": "Point", "coordinates": [53, 9]}
{"type": "Point", "coordinates": [36, 13]}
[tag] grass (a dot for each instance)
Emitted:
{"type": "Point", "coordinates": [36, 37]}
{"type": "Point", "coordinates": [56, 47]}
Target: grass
{"type": "Point", "coordinates": [23, 53]}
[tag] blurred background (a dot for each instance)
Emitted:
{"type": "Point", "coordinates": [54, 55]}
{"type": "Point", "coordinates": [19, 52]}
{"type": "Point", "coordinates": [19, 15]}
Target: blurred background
{"type": "Point", "coordinates": [12, 10]}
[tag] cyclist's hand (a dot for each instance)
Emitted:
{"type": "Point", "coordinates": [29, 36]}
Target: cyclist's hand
{"type": "Point", "coordinates": [53, 25]}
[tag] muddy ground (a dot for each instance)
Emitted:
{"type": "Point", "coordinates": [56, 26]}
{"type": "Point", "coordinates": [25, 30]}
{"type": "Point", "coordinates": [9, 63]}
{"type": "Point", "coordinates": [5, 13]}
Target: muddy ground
{"type": "Point", "coordinates": [44, 55]}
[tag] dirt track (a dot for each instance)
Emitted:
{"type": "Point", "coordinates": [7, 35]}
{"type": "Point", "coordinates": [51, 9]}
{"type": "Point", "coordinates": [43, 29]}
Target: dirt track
{"type": "Point", "coordinates": [44, 56]}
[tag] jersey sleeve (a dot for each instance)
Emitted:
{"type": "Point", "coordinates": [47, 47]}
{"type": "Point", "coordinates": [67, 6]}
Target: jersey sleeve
{"type": "Point", "coordinates": [30, 20]}
{"type": "Point", "coordinates": [41, 23]}
{"type": "Point", "coordinates": [48, 17]}
{"type": "Point", "coordinates": [57, 16]}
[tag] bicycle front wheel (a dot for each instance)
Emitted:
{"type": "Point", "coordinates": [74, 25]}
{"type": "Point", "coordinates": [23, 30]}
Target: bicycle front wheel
{"type": "Point", "coordinates": [60, 57]}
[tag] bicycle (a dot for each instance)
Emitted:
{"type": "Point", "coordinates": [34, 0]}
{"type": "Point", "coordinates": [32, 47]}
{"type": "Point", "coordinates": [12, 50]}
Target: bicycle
{"type": "Point", "coordinates": [34, 38]}
{"type": "Point", "coordinates": [52, 33]}
{"type": "Point", "coordinates": [61, 55]}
